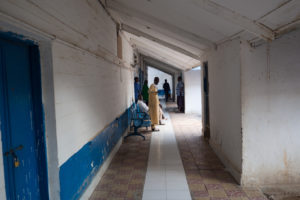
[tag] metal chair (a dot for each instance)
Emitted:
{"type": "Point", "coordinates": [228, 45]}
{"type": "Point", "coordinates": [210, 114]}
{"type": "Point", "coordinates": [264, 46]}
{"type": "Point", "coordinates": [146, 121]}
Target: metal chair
{"type": "Point", "coordinates": [138, 119]}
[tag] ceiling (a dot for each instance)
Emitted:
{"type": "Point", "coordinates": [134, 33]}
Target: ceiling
{"type": "Point", "coordinates": [159, 52]}
{"type": "Point", "coordinates": [178, 32]}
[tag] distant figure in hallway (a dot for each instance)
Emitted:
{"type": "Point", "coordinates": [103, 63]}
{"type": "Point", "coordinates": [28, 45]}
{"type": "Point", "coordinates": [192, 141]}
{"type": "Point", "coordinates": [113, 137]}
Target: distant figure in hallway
{"type": "Point", "coordinates": [154, 104]}
{"type": "Point", "coordinates": [137, 88]}
{"type": "Point", "coordinates": [180, 94]}
{"type": "Point", "coordinates": [145, 93]}
{"type": "Point", "coordinates": [166, 87]}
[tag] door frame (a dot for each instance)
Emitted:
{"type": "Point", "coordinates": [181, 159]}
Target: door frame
{"type": "Point", "coordinates": [205, 95]}
{"type": "Point", "coordinates": [24, 32]}
{"type": "Point", "coordinates": [38, 117]}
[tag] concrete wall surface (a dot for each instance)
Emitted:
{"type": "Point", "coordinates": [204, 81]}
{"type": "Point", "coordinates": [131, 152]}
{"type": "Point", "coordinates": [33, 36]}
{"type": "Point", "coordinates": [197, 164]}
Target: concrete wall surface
{"type": "Point", "coordinates": [127, 50]}
{"type": "Point", "coordinates": [89, 94]}
{"type": "Point", "coordinates": [193, 98]}
{"type": "Point", "coordinates": [90, 89]}
{"type": "Point", "coordinates": [270, 111]}
{"type": "Point", "coordinates": [225, 104]}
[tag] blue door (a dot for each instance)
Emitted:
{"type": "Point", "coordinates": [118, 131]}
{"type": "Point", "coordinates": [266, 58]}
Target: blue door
{"type": "Point", "coordinates": [21, 122]}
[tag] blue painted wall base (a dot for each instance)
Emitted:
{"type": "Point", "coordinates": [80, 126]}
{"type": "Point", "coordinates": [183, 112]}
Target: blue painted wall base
{"type": "Point", "coordinates": [78, 171]}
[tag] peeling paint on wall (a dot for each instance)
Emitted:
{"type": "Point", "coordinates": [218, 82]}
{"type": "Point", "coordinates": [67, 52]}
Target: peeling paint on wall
{"type": "Point", "coordinates": [78, 171]}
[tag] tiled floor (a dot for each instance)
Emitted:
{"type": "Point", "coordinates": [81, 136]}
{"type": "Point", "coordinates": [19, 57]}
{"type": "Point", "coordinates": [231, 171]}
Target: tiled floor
{"type": "Point", "coordinates": [206, 176]}
{"type": "Point", "coordinates": [188, 169]}
{"type": "Point", "coordinates": [124, 179]}
{"type": "Point", "coordinates": [165, 178]}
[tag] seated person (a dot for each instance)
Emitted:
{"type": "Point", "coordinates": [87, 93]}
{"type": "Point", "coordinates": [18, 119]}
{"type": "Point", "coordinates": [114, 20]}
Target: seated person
{"type": "Point", "coordinates": [142, 105]}
{"type": "Point", "coordinates": [144, 108]}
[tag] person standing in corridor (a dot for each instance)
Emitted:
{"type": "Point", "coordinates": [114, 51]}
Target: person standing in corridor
{"type": "Point", "coordinates": [180, 94]}
{"type": "Point", "coordinates": [137, 88]}
{"type": "Point", "coordinates": [166, 87]}
{"type": "Point", "coordinates": [145, 93]}
{"type": "Point", "coordinates": [154, 104]}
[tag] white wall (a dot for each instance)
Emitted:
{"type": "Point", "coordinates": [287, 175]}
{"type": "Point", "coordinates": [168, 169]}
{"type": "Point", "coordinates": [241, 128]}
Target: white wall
{"type": "Point", "coordinates": [225, 104]}
{"type": "Point", "coordinates": [89, 94]}
{"type": "Point", "coordinates": [271, 112]}
{"type": "Point", "coordinates": [255, 108]}
{"type": "Point", "coordinates": [91, 89]}
{"type": "Point", "coordinates": [127, 50]}
{"type": "Point", "coordinates": [193, 98]}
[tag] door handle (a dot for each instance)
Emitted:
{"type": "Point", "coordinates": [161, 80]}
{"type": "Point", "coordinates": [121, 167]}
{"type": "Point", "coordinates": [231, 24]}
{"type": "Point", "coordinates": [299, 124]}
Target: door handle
{"type": "Point", "coordinates": [14, 155]}
{"type": "Point", "coordinates": [12, 151]}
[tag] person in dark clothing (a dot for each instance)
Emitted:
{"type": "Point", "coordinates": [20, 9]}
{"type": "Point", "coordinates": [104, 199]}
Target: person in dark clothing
{"type": "Point", "coordinates": [166, 87]}
{"type": "Point", "coordinates": [180, 94]}
{"type": "Point", "coordinates": [145, 93]}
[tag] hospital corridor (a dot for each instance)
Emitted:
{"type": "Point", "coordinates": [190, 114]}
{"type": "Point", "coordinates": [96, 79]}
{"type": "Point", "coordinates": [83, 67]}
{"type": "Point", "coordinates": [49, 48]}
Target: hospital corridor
{"type": "Point", "coordinates": [149, 99]}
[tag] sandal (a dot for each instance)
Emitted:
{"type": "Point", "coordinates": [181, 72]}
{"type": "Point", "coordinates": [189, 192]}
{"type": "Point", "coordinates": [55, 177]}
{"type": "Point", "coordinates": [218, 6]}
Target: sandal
{"type": "Point", "coordinates": [160, 123]}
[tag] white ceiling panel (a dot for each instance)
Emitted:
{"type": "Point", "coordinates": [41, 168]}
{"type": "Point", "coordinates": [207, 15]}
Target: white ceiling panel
{"type": "Point", "coordinates": [198, 25]}
{"type": "Point", "coordinates": [283, 16]}
{"type": "Point", "coordinates": [253, 9]}
{"type": "Point", "coordinates": [162, 53]}
{"type": "Point", "coordinates": [185, 14]}
{"type": "Point", "coordinates": [163, 31]}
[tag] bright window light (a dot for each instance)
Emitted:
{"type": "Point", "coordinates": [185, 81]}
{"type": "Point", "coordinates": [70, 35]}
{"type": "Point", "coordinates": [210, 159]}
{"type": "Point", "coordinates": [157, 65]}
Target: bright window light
{"type": "Point", "coordinates": [197, 68]}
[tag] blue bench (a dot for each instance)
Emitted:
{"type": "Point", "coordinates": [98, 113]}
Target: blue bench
{"type": "Point", "coordinates": [138, 119]}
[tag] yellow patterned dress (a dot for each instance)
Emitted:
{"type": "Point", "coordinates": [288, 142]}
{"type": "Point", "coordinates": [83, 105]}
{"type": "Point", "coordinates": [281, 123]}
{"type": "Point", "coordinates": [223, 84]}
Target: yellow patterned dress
{"type": "Point", "coordinates": [153, 105]}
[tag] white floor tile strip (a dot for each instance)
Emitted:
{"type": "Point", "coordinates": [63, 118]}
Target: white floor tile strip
{"type": "Point", "coordinates": [165, 177]}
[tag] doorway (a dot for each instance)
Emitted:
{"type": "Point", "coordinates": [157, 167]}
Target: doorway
{"type": "Point", "coordinates": [206, 127]}
{"type": "Point", "coordinates": [192, 91]}
{"type": "Point", "coordinates": [21, 117]}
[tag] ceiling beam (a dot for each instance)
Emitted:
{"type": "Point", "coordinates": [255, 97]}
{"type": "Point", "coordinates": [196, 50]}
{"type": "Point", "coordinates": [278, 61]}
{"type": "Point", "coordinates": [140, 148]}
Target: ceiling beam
{"type": "Point", "coordinates": [165, 56]}
{"type": "Point", "coordinates": [159, 68]}
{"type": "Point", "coordinates": [167, 28]}
{"type": "Point", "coordinates": [139, 33]}
{"type": "Point", "coordinates": [192, 45]}
{"type": "Point", "coordinates": [162, 59]}
{"type": "Point", "coordinates": [294, 25]}
{"type": "Point", "coordinates": [247, 24]}
{"type": "Point", "coordinates": [160, 50]}
{"type": "Point", "coordinates": [167, 68]}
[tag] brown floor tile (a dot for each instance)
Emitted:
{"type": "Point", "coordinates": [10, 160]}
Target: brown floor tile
{"type": "Point", "coordinates": [125, 177]}
{"type": "Point", "coordinates": [217, 193]}
{"type": "Point", "coordinates": [206, 175]}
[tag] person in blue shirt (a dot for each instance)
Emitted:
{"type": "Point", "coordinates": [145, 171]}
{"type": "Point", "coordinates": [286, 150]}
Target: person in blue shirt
{"type": "Point", "coordinates": [180, 94]}
{"type": "Point", "coordinates": [137, 88]}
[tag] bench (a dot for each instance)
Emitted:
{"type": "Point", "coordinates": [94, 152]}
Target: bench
{"type": "Point", "coordinates": [138, 119]}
